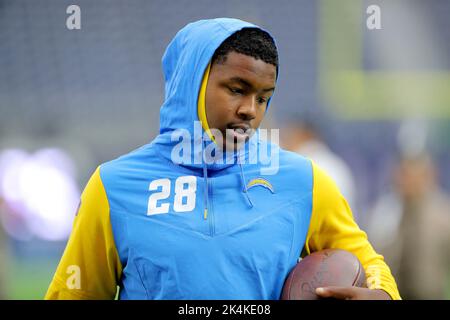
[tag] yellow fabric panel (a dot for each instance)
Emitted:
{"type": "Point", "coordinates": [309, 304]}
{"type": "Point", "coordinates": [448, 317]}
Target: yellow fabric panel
{"type": "Point", "coordinates": [90, 267]}
{"type": "Point", "coordinates": [201, 112]}
{"type": "Point", "coordinates": [332, 226]}
{"type": "Point", "coordinates": [201, 104]}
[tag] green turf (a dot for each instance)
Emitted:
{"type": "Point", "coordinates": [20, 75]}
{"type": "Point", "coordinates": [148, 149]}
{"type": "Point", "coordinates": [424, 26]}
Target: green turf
{"type": "Point", "coordinates": [29, 280]}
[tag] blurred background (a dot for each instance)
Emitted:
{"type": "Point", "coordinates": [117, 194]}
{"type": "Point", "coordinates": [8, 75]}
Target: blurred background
{"type": "Point", "coordinates": [371, 106]}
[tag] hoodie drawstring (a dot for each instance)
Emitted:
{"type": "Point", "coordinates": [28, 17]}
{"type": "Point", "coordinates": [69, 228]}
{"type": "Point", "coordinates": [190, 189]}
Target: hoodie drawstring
{"type": "Point", "coordinates": [243, 181]}
{"type": "Point", "coordinates": [205, 178]}
{"type": "Point", "coordinates": [206, 191]}
{"type": "Point", "coordinates": [205, 200]}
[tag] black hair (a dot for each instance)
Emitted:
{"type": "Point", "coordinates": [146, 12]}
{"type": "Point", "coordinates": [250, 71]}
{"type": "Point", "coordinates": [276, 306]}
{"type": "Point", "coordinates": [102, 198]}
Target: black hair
{"type": "Point", "coordinates": [252, 42]}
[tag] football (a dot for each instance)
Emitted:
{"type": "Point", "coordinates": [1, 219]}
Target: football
{"type": "Point", "coordinates": [330, 267]}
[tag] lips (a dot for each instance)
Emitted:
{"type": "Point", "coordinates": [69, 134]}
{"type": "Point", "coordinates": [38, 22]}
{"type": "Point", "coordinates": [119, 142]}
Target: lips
{"type": "Point", "coordinates": [240, 131]}
{"type": "Point", "coordinates": [242, 126]}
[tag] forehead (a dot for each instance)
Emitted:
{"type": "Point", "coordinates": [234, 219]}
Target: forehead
{"type": "Point", "coordinates": [238, 65]}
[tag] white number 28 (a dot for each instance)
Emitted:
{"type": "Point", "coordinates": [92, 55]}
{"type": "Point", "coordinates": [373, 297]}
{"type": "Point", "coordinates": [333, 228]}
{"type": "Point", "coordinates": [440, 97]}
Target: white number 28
{"type": "Point", "coordinates": [185, 189]}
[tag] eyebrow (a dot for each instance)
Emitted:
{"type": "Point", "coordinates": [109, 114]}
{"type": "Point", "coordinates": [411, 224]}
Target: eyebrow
{"type": "Point", "coordinates": [248, 84]}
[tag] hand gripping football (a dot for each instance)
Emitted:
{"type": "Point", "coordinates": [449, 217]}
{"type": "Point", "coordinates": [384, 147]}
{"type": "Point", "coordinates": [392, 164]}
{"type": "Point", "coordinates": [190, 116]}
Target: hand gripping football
{"type": "Point", "coordinates": [329, 267]}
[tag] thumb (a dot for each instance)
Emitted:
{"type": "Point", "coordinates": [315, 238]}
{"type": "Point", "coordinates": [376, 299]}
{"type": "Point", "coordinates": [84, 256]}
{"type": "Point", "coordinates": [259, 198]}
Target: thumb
{"type": "Point", "coordinates": [336, 292]}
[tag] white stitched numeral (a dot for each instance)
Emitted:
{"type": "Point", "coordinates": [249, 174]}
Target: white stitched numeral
{"type": "Point", "coordinates": [185, 189]}
{"type": "Point", "coordinates": [183, 192]}
{"type": "Point", "coordinates": [161, 195]}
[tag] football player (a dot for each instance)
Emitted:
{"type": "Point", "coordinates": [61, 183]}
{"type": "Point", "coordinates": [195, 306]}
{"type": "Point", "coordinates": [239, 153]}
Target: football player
{"type": "Point", "coordinates": [193, 215]}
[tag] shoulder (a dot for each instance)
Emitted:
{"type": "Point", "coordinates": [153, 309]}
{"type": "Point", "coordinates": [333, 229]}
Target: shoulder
{"type": "Point", "coordinates": [293, 162]}
{"type": "Point", "coordinates": [326, 193]}
{"type": "Point", "coordinates": [144, 158]}
{"type": "Point", "coordinates": [129, 160]}
{"type": "Point", "coordinates": [294, 159]}
{"type": "Point", "coordinates": [292, 171]}
{"type": "Point", "coordinates": [132, 171]}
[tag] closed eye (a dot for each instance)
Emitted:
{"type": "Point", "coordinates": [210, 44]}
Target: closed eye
{"type": "Point", "coordinates": [236, 90]}
{"type": "Point", "coordinates": [262, 100]}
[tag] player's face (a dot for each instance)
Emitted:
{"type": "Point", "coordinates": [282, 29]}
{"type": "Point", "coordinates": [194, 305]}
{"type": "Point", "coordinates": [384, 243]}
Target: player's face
{"type": "Point", "coordinates": [236, 97]}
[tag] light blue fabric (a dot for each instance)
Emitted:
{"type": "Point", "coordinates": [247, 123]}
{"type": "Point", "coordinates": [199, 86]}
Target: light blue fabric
{"type": "Point", "coordinates": [251, 238]}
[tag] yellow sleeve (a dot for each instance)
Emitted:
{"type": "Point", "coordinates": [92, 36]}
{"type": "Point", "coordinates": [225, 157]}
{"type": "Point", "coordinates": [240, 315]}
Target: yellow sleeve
{"type": "Point", "coordinates": [332, 226]}
{"type": "Point", "coordinates": [90, 267]}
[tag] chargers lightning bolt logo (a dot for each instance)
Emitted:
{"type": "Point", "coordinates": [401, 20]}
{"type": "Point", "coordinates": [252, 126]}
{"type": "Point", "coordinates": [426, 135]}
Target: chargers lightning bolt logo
{"type": "Point", "coordinates": [260, 182]}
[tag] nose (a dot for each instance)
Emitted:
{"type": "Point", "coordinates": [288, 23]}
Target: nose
{"type": "Point", "coordinates": [247, 110]}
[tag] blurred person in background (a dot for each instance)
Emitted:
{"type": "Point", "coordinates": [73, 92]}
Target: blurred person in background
{"type": "Point", "coordinates": [411, 227]}
{"type": "Point", "coordinates": [302, 134]}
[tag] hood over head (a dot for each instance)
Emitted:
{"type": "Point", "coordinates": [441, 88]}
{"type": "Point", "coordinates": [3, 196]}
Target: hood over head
{"type": "Point", "coordinates": [184, 64]}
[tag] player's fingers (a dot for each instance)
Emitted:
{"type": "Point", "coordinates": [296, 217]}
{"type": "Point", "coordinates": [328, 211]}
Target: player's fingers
{"type": "Point", "coordinates": [336, 292]}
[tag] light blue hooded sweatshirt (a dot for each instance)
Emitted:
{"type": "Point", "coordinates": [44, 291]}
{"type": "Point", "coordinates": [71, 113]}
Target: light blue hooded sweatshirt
{"type": "Point", "coordinates": [256, 223]}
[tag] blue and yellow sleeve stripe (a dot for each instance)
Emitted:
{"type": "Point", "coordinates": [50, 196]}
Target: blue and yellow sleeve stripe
{"type": "Point", "coordinates": [90, 267]}
{"type": "Point", "coordinates": [332, 226]}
